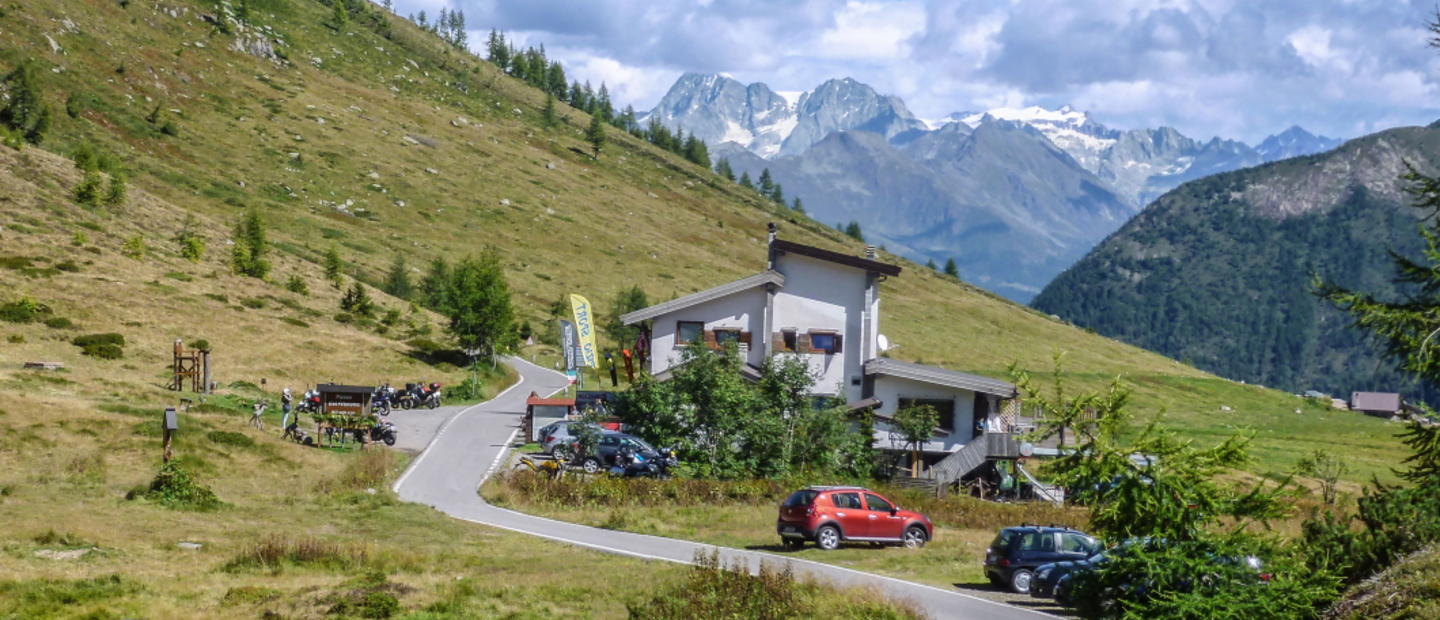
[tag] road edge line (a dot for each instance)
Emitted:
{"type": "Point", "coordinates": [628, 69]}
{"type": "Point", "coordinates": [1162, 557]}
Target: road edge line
{"type": "Point", "coordinates": [426, 452]}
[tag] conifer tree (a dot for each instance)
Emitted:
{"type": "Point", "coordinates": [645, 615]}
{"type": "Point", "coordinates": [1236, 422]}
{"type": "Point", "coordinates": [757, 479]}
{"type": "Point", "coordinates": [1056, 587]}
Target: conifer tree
{"type": "Point", "coordinates": [459, 38]}
{"type": "Point", "coordinates": [951, 270]}
{"type": "Point", "coordinates": [767, 184]}
{"type": "Point", "coordinates": [723, 169]}
{"type": "Point", "coordinates": [389, 6]}
{"type": "Point", "coordinates": [357, 300]}
{"type": "Point", "coordinates": [333, 267]}
{"type": "Point", "coordinates": [852, 230]}
{"type": "Point", "coordinates": [421, 20]}
{"type": "Point", "coordinates": [555, 80]}
{"type": "Point", "coordinates": [435, 288]}
{"type": "Point", "coordinates": [397, 282]}
{"type": "Point", "coordinates": [745, 180]}
{"type": "Point", "coordinates": [547, 115]}
{"type": "Point", "coordinates": [339, 16]}
{"type": "Point", "coordinates": [931, 264]}
{"type": "Point", "coordinates": [589, 95]}
{"type": "Point", "coordinates": [603, 105]}
{"type": "Point", "coordinates": [248, 256]}
{"type": "Point", "coordinates": [577, 96]}
{"type": "Point", "coordinates": [595, 134]}
{"type": "Point", "coordinates": [778, 195]}
{"type": "Point", "coordinates": [797, 207]}
{"type": "Point", "coordinates": [26, 113]}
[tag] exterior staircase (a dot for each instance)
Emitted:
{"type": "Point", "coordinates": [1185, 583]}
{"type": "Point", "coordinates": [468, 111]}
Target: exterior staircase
{"type": "Point", "coordinates": [973, 455]}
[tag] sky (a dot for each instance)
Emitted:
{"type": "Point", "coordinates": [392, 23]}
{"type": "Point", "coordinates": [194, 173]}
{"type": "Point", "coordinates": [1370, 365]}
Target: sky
{"type": "Point", "coordinates": [1239, 69]}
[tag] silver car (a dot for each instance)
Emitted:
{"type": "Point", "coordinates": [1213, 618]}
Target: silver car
{"type": "Point", "coordinates": [557, 439]}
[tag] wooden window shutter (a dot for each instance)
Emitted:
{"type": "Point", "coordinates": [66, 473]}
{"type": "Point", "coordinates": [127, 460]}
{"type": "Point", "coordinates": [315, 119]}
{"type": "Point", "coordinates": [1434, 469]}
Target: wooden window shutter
{"type": "Point", "coordinates": [745, 338]}
{"type": "Point", "coordinates": [839, 339]}
{"type": "Point", "coordinates": [779, 341]}
{"type": "Point", "coordinates": [802, 343]}
{"type": "Point", "coordinates": [710, 339]}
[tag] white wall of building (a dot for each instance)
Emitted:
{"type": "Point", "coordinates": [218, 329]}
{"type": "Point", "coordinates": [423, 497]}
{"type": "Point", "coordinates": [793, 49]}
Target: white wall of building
{"type": "Point", "coordinates": [744, 311]}
{"type": "Point", "coordinates": [889, 390]}
{"type": "Point", "coordinates": [821, 295]}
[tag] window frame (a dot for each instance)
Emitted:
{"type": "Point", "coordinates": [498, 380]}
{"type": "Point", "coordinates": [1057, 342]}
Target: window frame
{"type": "Point", "coordinates": [680, 330]}
{"type": "Point", "coordinates": [834, 336]}
{"type": "Point", "coordinates": [790, 340]}
{"type": "Point", "coordinates": [868, 496]}
{"type": "Point", "coordinates": [734, 332]}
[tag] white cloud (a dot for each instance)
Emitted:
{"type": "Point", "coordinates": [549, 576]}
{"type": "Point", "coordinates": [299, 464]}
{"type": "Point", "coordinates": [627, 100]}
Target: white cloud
{"type": "Point", "coordinates": [873, 30]}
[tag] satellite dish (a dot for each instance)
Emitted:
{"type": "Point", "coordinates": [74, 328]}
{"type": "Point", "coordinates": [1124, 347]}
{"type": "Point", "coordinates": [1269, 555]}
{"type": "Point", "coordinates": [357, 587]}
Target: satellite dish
{"type": "Point", "coordinates": [884, 342]}
{"type": "Point", "coordinates": [1027, 449]}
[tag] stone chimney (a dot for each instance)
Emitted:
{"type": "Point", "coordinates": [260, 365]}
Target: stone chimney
{"type": "Point", "coordinates": [869, 252]}
{"type": "Point", "coordinates": [771, 245]}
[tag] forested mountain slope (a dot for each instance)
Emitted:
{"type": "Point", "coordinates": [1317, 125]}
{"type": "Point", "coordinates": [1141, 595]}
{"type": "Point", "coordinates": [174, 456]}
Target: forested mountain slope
{"type": "Point", "coordinates": [1218, 271]}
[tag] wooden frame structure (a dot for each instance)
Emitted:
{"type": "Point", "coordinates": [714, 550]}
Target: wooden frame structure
{"type": "Point", "coordinates": [192, 365]}
{"type": "Point", "coordinates": [344, 409]}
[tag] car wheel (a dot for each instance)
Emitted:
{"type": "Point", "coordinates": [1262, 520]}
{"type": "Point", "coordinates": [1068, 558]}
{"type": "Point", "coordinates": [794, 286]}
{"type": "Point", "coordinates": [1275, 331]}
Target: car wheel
{"type": "Point", "coordinates": [1020, 581]}
{"type": "Point", "coordinates": [915, 537]}
{"type": "Point", "coordinates": [827, 538]}
{"type": "Point", "coordinates": [794, 544]}
{"type": "Point", "coordinates": [591, 465]}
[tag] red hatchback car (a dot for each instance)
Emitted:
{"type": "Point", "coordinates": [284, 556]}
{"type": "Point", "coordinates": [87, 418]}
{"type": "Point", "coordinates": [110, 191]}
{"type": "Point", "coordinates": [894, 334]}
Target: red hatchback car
{"type": "Point", "coordinates": [831, 515]}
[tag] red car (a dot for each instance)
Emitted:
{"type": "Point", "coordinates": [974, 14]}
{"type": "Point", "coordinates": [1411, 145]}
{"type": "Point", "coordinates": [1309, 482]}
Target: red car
{"type": "Point", "coordinates": [831, 515]}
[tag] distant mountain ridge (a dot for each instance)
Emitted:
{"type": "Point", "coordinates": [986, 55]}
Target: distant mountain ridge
{"type": "Point", "coordinates": [1121, 170]}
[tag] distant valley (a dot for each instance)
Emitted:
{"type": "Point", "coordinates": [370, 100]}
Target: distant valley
{"type": "Point", "coordinates": [1014, 196]}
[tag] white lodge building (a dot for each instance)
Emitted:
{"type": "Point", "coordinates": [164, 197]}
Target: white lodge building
{"type": "Point", "coordinates": [825, 307]}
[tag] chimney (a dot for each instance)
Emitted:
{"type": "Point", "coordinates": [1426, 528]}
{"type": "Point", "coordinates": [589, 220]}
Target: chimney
{"type": "Point", "coordinates": [771, 245]}
{"type": "Point", "coordinates": [870, 252]}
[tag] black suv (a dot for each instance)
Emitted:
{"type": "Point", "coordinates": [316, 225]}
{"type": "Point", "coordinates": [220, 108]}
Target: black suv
{"type": "Point", "coordinates": [1016, 551]}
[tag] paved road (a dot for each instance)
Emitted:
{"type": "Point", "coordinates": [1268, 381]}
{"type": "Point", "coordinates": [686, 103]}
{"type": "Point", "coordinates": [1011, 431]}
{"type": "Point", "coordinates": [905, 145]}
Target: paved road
{"type": "Point", "coordinates": [469, 445]}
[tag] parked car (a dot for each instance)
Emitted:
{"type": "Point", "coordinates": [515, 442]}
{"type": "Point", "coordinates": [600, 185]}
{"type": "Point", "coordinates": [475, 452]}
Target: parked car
{"type": "Point", "coordinates": [1053, 580]}
{"type": "Point", "coordinates": [1016, 552]}
{"type": "Point", "coordinates": [559, 439]}
{"type": "Point", "coordinates": [610, 444]}
{"type": "Point", "coordinates": [832, 515]}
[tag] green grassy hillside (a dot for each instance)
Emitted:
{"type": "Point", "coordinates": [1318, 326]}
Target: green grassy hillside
{"type": "Point", "coordinates": [379, 139]}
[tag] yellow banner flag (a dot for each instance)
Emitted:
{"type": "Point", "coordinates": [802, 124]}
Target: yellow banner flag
{"type": "Point", "coordinates": [585, 324]}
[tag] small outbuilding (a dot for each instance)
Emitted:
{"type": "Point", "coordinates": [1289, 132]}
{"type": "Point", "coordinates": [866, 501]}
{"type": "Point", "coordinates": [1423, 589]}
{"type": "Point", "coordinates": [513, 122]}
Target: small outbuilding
{"type": "Point", "coordinates": [542, 412]}
{"type": "Point", "coordinates": [1379, 404]}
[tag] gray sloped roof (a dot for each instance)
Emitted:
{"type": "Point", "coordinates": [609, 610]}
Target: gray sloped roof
{"type": "Point", "coordinates": [695, 299]}
{"type": "Point", "coordinates": [939, 376]}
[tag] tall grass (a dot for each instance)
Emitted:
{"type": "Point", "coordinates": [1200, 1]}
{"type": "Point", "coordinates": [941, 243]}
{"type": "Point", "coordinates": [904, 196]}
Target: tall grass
{"type": "Point", "coordinates": [524, 487]}
{"type": "Point", "coordinates": [712, 589]}
{"type": "Point", "coordinates": [277, 551]}
{"type": "Point", "coordinates": [367, 470]}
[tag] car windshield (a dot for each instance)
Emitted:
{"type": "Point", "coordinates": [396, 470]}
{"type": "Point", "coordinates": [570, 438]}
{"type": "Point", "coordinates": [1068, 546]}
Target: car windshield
{"type": "Point", "coordinates": [637, 444]}
{"type": "Point", "coordinates": [800, 498]}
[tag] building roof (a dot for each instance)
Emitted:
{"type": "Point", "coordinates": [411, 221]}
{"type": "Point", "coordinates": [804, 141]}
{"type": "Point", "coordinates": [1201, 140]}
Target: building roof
{"type": "Point", "coordinates": [939, 376]}
{"type": "Point", "coordinates": [748, 372]}
{"type": "Point", "coordinates": [1375, 401]}
{"type": "Point", "coordinates": [857, 262]}
{"type": "Point", "coordinates": [695, 299]}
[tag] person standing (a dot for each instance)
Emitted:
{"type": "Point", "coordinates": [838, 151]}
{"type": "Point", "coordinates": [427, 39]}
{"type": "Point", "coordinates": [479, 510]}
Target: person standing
{"type": "Point", "coordinates": [285, 402]}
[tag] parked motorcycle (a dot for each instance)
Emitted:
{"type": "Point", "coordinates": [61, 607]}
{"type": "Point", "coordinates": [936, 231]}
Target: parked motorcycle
{"type": "Point", "coordinates": [429, 396]}
{"type": "Point", "coordinates": [384, 431]}
{"type": "Point", "coordinates": [380, 400]}
{"type": "Point", "coordinates": [632, 464]}
{"type": "Point", "coordinates": [310, 403]}
{"type": "Point", "coordinates": [409, 398]}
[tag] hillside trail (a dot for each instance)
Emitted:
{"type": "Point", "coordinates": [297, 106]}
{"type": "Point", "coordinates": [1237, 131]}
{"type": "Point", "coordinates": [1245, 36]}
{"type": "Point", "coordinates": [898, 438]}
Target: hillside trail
{"type": "Point", "coordinates": [472, 442]}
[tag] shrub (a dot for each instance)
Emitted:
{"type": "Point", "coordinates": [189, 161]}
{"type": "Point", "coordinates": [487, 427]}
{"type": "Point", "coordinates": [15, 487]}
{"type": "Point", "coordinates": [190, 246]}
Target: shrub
{"type": "Point", "coordinates": [88, 191]}
{"type": "Point", "coordinates": [254, 303]}
{"type": "Point", "coordinates": [278, 551]}
{"type": "Point", "coordinates": [134, 247]}
{"type": "Point", "coordinates": [170, 128]}
{"type": "Point", "coordinates": [200, 344]}
{"type": "Point", "coordinates": [58, 322]}
{"type": "Point", "coordinates": [175, 488]}
{"type": "Point", "coordinates": [84, 155]}
{"type": "Point", "coordinates": [297, 285]}
{"type": "Point", "coordinates": [23, 310]}
{"type": "Point", "coordinates": [115, 191]}
{"type": "Point", "coordinates": [68, 266]}
{"type": "Point", "coordinates": [366, 470]}
{"type": "Point", "coordinates": [108, 346]}
{"type": "Point", "coordinates": [106, 338]}
{"type": "Point", "coordinates": [230, 438]}
{"type": "Point", "coordinates": [15, 339]}
{"type": "Point", "coordinates": [79, 238]}
{"type": "Point", "coordinates": [249, 595]}
{"type": "Point", "coordinates": [103, 351]}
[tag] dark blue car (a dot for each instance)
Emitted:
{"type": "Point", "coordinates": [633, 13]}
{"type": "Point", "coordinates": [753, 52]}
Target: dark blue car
{"type": "Point", "coordinates": [1016, 552]}
{"type": "Point", "coordinates": [1052, 580]}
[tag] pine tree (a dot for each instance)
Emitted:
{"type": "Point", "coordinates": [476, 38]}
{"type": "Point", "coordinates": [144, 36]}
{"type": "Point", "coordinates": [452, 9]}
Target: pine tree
{"type": "Point", "coordinates": [589, 95]}
{"type": "Point", "coordinates": [602, 104]}
{"type": "Point", "coordinates": [333, 267]}
{"type": "Point", "coordinates": [797, 207]}
{"type": "Point", "coordinates": [115, 191]}
{"type": "Point", "coordinates": [723, 169]}
{"type": "Point", "coordinates": [778, 195]}
{"type": "Point", "coordinates": [248, 256]}
{"type": "Point", "coordinates": [461, 39]}
{"type": "Point", "coordinates": [547, 115]}
{"type": "Point", "coordinates": [577, 96]}
{"type": "Point", "coordinates": [397, 282]}
{"type": "Point", "coordinates": [745, 180]}
{"type": "Point", "coordinates": [339, 16]}
{"type": "Point", "coordinates": [421, 21]}
{"type": "Point", "coordinates": [389, 6]}
{"type": "Point", "coordinates": [435, 288]}
{"type": "Point", "coordinates": [852, 230]}
{"type": "Point", "coordinates": [767, 183]}
{"type": "Point", "coordinates": [555, 80]}
{"type": "Point", "coordinates": [481, 317]}
{"type": "Point", "coordinates": [357, 300]}
{"type": "Point", "coordinates": [595, 134]}
{"type": "Point", "coordinates": [951, 270]}
{"type": "Point", "coordinates": [26, 113]}
{"type": "Point", "coordinates": [931, 264]}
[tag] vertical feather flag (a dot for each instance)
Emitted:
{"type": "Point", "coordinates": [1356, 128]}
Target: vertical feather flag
{"type": "Point", "coordinates": [586, 325]}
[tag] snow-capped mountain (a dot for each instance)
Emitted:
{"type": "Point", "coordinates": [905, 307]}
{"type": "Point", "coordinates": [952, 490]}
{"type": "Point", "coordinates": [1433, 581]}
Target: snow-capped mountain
{"type": "Point", "coordinates": [718, 109]}
{"type": "Point", "coordinates": [1294, 142]}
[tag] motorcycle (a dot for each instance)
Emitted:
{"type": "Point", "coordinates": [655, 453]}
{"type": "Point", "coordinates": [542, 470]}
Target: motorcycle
{"type": "Point", "coordinates": [631, 464]}
{"type": "Point", "coordinates": [429, 396]}
{"type": "Point", "coordinates": [381, 399]}
{"type": "Point", "coordinates": [409, 397]}
{"type": "Point", "coordinates": [384, 431]}
{"type": "Point", "coordinates": [309, 404]}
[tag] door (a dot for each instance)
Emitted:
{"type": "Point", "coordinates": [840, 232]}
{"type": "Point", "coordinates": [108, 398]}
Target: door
{"type": "Point", "coordinates": [609, 444]}
{"type": "Point", "coordinates": [854, 522]}
{"type": "Point", "coordinates": [882, 520]}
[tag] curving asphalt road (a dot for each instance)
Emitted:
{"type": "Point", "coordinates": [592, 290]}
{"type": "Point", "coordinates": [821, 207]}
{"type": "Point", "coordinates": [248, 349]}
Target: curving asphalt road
{"type": "Point", "coordinates": [472, 442]}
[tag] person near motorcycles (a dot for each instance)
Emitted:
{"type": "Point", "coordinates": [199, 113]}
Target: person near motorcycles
{"type": "Point", "coordinates": [286, 400]}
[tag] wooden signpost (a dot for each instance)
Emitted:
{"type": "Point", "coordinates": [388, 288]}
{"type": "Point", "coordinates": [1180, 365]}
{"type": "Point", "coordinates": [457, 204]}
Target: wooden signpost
{"type": "Point", "coordinates": [344, 409]}
{"type": "Point", "coordinates": [168, 425]}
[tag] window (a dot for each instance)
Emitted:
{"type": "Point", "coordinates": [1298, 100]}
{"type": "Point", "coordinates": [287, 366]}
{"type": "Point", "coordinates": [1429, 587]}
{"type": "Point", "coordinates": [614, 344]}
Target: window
{"type": "Point", "coordinates": [689, 332]}
{"type": "Point", "coordinates": [790, 340]}
{"type": "Point", "coordinates": [609, 440]}
{"type": "Point", "coordinates": [846, 500]}
{"type": "Point", "coordinates": [1075, 543]}
{"type": "Point", "coordinates": [825, 342]}
{"type": "Point", "coordinates": [944, 409]}
{"type": "Point", "coordinates": [877, 503]}
{"type": "Point", "coordinates": [804, 497]}
{"type": "Point", "coordinates": [727, 336]}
